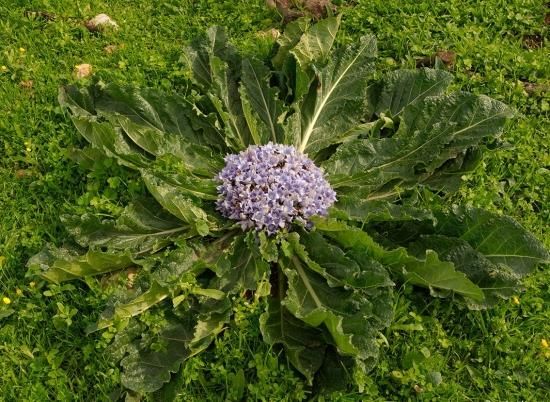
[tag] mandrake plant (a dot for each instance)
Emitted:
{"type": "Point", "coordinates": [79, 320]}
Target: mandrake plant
{"type": "Point", "coordinates": [299, 182]}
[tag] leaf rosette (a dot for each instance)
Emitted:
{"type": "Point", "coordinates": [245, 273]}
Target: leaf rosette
{"type": "Point", "coordinates": [314, 212]}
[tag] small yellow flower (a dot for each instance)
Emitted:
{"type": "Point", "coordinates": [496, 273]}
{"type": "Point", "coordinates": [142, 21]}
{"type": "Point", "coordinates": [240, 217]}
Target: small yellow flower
{"type": "Point", "coordinates": [4, 68]}
{"type": "Point", "coordinates": [544, 343]}
{"type": "Point", "coordinates": [19, 292]}
{"type": "Point", "coordinates": [22, 50]}
{"type": "Point", "coordinates": [6, 300]}
{"type": "Point", "coordinates": [28, 149]}
{"type": "Point", "coordinates": [32, 284]}
{"type": "Point", "coordinates": [515, 299]}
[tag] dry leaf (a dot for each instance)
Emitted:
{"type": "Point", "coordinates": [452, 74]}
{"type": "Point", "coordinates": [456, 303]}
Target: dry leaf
{"type": "Point", "coordinates": [448, 58]}
{"type": "Point", "coordinates": [131, 275]}
{"type": "Point", "coordinates": [269, 34]}
{"type": "Point", "coordinates": [27, 84]}
{"type": "Point", "coordinates": [293, 9]}
{"type": "Point", "coordinates": [22, 173]}
{"type": "Point", "coordinates": [40, 15]}
{"type": "Point", "coordinates": [101, 22]}
{"type": "Point", "coordinates": [82, 70]}
{"type": "Point", "coordinates": [533, 88]}
{"type": "Point", "coordinates": [533, 41]}
{"type": "Point", "coordinates": [110, 49]}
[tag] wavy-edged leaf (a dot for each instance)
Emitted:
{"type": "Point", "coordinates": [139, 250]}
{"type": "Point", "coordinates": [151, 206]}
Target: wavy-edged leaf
{"type": "Point", "coordinates": [139, 229]}
{"type": "Point", "coordinates": [146, 370]}
{"type": "Point", "coordinates": [184, 208]}
{"type": "Point", "coordinates": [211, 319]}
{"type": "Point", "coordinates": [365, 210]}
{"type": "Point", "coordinates": [336, 100]}
{"type": "Point", "coordinates": [499, 238]}
{"type": "Point", "coordinates": [303, 344]}
{"type": "Point", "coordinates": [226, 99]}
{"type": "Point", "coordinates": [182, 264]}
{"type": "Point", "coordinates": [152, 296]}
{"type": "Point", "coordinates": [433, 273]}
{"type": "Point", "coordinates": [172, 172]}
{"type": "Point", "coordinates": [242, 267]}
{"type": "Point", "coordinates": [289, 38]}
{"type": "Point", "coordinates": [216, 68]}
{"type": "Point", "coordinates": [316, 43]}
{"type": "Point", "coordinates": [60, 264]}
{"type": "Point", "coordinates": [111, 141]}
{"type": "Point", "coordinates": [497, 281]}
{"type": "Point", "coordinates": [158, 122]}
{"type": "Point", "coordinates": [263, 101]}
{"type": "Point", "coordinates": [351, 269]}
{"type": "Point", "coordinates": [448, 177]}
{"type": "Point", "coordinates": [428, 271]}
{"type": "Point", "coordinates": [198, 55]}
{"type": "Point", "coordinates": [431, 132]}
{"type": "Point", "coordinates": [398, 89]}
{"type": "Point", "coordinates": [336, 372]}
{"type": "Point", "coordinates": [142, 120]}
{"type": "Point", "coordinates": [345, 313]}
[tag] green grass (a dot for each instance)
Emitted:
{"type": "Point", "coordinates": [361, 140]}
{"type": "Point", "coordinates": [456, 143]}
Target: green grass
{"type": "Point", "coordinates": [435, 351]}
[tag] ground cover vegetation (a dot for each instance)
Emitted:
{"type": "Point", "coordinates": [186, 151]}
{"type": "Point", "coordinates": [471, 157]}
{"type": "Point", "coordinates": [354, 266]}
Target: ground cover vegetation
{"type": "Point", "coordinates": [498, 51]}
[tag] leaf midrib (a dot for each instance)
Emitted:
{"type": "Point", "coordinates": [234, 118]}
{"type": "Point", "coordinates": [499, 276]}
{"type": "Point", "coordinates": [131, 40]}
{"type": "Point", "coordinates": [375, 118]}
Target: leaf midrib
{"type": "Point", "coordinates": [261, 92]}
{"type": "Point", "coordinates": [319, 109]}
{"type": "Point", "coordinates": [306, 282]}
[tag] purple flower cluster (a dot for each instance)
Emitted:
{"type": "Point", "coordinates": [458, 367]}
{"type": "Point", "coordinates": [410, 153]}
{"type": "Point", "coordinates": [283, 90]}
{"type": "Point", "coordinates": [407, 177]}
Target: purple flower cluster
{"type": "Point", "coordinates": [270, 186]}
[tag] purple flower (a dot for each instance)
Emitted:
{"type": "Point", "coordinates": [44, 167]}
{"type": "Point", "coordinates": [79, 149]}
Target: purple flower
{"type": "Point", "coordinates": [269, 187]}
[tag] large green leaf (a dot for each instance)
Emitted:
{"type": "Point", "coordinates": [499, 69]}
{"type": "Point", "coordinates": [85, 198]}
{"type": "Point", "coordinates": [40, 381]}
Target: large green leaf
{"type": "Point", "coordinates": [336, 100]}
{"type": "Point", "coordinates": [289, 38]}
{"type": "Point", "coordinates": [303, 345]}
{"type": "Point", "coordinates": [300, 45]}
{"type": "Point", "coordinates": [433, 273]}
{"type": "Point", "coordinates": [431, 132]}
{"type": "Point", "coordinates": [182, 264]}
{"type": "Point", "coordinates": [448, 177]}
{"type": "Point", "coordinates": [495, 280]}
{"type": "Point", "coordinates": [145, 369]}
{"type": "Point", "coordinates": [111, 141]}
{"type": "Point", "coordinates": [316, 43]}
{"type": "Point", "coordinates": [398, 89]}
{"type": "Point", "coordinates": [216, 69]}
{"type": "Point", "coordinates": [184, 208]}
{"type": "Point", "coordinates": [60, 264]}
{"type": "Point", "coordinates": [211, 319]}
{"type": "Point", "coordinates": [242, 267]}
{"type": "Point", "coordinates": [499, 238]}
{"type": "Point", "coordinates": [179, 268]}
{"type": "Point", "coordinates": [158, 122]}
{"type": "Point", "coordinates": [143, 120]}
{"type": "Point", "coordinates": [293, 79]}
{"type": "Point", "coordinates": [352, 269]}
{"type": "Point", "coordinates": [172, 172]}
{"type": "Point", "coordinates": [198, 55]}
{"type": "Point", "coordinates": [347, 314]}
{"type": "Point", "coordinates": [225, 97]}
{"type": "Point", "coordinates": [263, 101]}
{"type": "Point", "coordinates": [152, 296]}
{"type": "Point", "coordinates": [139, 228]}
{"type": "Point", "coordinates": [428, 271]}
{"type": "Point", "coordinates": [365, 210]}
